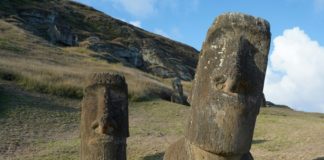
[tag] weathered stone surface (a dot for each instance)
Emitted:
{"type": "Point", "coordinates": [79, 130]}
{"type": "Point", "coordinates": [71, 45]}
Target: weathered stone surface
{"type": "Point", "coordinates": [227, 90]}
{"type": "Point", "coordinates": [177, 95]}
{"type": "Point", "coordinates": [63, 35]}
{"type": "Point", "coordinates": [104, 118]}
{"type": "Point", "coordinates": [57, 31]}
{"type": "Point", "coordinates": [121, 53]}
{"type": "Point", "coordinates": [184, 150]}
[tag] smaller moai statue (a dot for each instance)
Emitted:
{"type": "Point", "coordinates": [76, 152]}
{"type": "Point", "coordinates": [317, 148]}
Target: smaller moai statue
{"type": "Point", "coordinates": [104, 118]}
{"type": "Point", "coordinates": [177, 95]}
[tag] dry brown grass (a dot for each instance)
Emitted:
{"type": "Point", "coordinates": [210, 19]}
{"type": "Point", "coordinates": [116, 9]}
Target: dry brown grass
{"type": "Point", "coordinates": [279, 134]}
{"type": "Point", "coordinates": [39, 126]}
{"type": "Point", "coordinates": [284, 134]}
{"type": "Point", "coordinates": [45, 68]}
{"type": "Point", "coordinates": [154, 125]}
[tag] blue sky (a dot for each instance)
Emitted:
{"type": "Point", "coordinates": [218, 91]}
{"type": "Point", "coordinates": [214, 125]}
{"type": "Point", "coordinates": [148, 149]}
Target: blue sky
{"type": "Point", "coordinates": [188, 20]}
{"type": "Point", "coordinates": [296, 62]}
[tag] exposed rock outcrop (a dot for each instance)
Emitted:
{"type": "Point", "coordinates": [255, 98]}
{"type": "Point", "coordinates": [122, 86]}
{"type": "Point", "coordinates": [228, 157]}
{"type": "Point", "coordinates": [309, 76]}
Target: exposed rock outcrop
{"type": "Point", "coordinates": [227, 91]}
{"type": "Point", "coordinates": [104, 118]}
{"type": "Point", "coordinates": [70, 23]}
{"type": "Point", "coordinates": [266, 103]}
{"type": "Point", "coordinates": [63, 35]}
{"type": "Point", "coordinates": [119, 53]}
{"type": "Point", "coordinates": [271, 104]}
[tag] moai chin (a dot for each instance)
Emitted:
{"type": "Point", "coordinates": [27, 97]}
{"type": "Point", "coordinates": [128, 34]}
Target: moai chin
{"type": "Point", "coordinates": [227, 90]}
{"type": "Point", "coordinates": [104, 118]}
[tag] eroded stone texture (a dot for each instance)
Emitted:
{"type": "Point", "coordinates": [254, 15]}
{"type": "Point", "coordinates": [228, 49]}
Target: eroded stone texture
{"type": "Point", "coordinates": [227, 90]}
{"type": "Point", "coordinates": [184, 150]}
{"type": "Point", "coordinates": [57, 33]}
{"type": "Point", "coordinates": [177, 95]}
{"type": "Point", "coordinates": [62, 35]}
{"type": "Point", "coordinates": [104, 118]}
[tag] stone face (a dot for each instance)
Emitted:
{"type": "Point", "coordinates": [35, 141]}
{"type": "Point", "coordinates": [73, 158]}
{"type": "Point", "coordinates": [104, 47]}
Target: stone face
{"type": "Point", "coordinates": [227, 89]}
{"type": "Point", "coordinates": [177, 95]}
{"type": "Point", "coordinates": [104, 118]}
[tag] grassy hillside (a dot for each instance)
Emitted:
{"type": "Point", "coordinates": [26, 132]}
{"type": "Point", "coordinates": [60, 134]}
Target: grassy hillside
{"type": "Point", "coordinates": [41, 88]}
{"type": "Point", "coordinates": [37, 65]}
{"type": "Point", "coordinates": [112, 40]}
{"type": "Point", "coordinates": [38, 126]}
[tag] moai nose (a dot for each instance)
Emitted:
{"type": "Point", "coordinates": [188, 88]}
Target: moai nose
{"type": "Point", "coordinates": [239, 81]}
{"type": "Point", "coordinates": [231, 85]}
{"type": "Point", "coordinates": [235, 83]}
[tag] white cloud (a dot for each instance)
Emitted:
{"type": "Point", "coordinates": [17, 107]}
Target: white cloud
{"type": "Point", "coordinates": [140, 8]}
{"type": "Point", "coordinates": [295, 76]}
{"type": "Point", "coordinates": [161, 32]}
{"type": "Point", "coordinates": [136, 23]}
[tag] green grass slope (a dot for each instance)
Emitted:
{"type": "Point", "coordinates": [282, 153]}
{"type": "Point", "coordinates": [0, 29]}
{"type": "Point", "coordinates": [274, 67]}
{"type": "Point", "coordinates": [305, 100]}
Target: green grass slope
{"type": "Point", "coordinates": [33, 63]}
{"type": "Point", "coordinates": [39, 126]}
{"type": "Point", "coordinates": [40, 93]}
{"type": "Point", "coordinates": [115, 40]}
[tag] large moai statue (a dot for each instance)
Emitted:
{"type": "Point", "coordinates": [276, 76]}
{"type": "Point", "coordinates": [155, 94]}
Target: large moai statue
{"type": "Point", "coordinates": [227, 91]}
{"type": "Point", "coordinates": [104, 118]}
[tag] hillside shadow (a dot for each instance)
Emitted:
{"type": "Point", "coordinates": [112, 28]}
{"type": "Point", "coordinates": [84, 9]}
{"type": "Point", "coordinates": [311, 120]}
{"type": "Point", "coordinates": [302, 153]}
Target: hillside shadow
{"type": "Point", "coordinates": [319, 158]}
{"type": "Point", "coordinates": [156, 156]}
{"type": "Point", "coordinates": [13, 96]}
{"type": "Point", "coordinates": [3, 99]}
{"type": "Point", "coordinates": [259, 141]}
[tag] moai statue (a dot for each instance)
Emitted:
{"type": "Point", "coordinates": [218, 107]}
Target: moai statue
{"type": "Point", "coordinates": [227, 91]}
{"type": "Point", "coordinates": [104, 118]}
{"type": "Point", "coordinates": [177, 95]}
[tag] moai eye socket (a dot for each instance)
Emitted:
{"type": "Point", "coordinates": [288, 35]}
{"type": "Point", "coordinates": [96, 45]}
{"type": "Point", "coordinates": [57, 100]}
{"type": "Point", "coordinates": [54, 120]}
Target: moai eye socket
{"type": "Point", "coordinates": [219, 82]}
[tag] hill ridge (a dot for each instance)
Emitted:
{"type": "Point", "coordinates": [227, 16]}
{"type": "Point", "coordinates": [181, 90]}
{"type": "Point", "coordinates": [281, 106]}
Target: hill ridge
{"type": "Point", "coordinates": [69, 23]}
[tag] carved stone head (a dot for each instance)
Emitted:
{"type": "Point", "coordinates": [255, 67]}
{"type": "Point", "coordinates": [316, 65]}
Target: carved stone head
{"type": "Point", "coordinates": [228, 86]}
{"type": "Point", "coordinates": [104, 115]}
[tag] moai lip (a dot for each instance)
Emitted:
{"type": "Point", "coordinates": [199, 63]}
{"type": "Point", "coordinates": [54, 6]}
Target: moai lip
{"type": "Point", "coordinates": [227, 90]}
{"type": "Point", "coordinates": [104, 118]}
